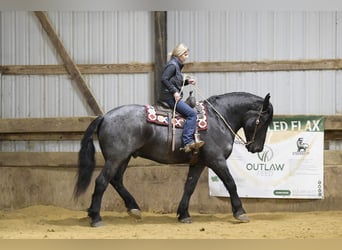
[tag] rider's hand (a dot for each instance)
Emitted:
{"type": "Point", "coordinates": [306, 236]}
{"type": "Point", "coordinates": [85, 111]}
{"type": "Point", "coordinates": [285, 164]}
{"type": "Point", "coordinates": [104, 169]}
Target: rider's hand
{"type": "Point", "coordinates": [177, 96]}
{"type": "Point", "coordinates": [192, 81]}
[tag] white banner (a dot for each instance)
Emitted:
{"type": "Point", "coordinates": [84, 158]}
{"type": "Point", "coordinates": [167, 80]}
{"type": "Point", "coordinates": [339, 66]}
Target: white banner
{"type": "Point", "coordinates": [290, 166]}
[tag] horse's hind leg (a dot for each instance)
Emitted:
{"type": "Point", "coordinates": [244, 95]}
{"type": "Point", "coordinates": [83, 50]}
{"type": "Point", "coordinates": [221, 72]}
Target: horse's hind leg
{"type": "Point", "coordinates": [101, 183]}
{"type": "Point", "coordinates": [130, 203]}
{"type": "Point", "coordinates": [189, 187]}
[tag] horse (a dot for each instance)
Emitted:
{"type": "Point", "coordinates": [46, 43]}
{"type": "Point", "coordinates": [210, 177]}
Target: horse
{"type": "Point", "coordinates": [123, 132]}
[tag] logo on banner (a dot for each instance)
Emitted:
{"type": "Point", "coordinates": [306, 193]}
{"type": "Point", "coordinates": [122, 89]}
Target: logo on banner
{"type": "Point", "coordinates": [266, 155]}
{"type": "Point", "coordinates": [266, 167]}
{"type": "Point", "coordinates": [302, 147]}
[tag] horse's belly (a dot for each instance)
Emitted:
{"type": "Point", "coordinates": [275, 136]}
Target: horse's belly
{"type": "Point", "coordinates": [167, 157]}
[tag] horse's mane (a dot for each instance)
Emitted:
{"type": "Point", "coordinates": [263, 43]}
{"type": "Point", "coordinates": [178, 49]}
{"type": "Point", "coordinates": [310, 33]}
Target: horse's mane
{"type": "Point", "coordinates": [229, 96]}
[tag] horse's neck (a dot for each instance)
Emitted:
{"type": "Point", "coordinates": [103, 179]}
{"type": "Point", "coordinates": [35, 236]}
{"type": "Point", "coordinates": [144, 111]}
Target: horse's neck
{"type": "Point", "coordinates": [235, 115]}
{"type": "Point", "coordinates": [234, 107]}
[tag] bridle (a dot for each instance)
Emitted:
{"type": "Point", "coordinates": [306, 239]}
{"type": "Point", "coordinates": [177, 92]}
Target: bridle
{"type": "Point", "coordinates": [257, 121]}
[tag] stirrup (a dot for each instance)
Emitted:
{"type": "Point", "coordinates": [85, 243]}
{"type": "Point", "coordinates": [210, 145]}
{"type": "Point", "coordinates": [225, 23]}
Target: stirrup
{"type": "Point", "coordinates": [193, 146]}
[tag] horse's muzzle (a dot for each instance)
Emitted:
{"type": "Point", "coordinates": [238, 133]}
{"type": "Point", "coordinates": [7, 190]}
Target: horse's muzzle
{"type": "Point", "coordinates": [254, 148]}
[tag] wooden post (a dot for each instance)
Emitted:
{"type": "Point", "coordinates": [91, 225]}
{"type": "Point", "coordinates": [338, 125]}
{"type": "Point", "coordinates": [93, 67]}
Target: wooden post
{"type": "Point", "coordinates": [70, 66]}
{"type": "Point", "coordinates": [160, 50]}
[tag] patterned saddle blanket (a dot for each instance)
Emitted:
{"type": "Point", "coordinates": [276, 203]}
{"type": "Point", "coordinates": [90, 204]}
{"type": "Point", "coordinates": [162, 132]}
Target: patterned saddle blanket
{"type": "Point", "coordinates": [163, 116]}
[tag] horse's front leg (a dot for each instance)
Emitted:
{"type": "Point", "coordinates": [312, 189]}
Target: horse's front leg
{"type": "Point", "coordinates": [221, 170]}
{"type": "Point", "coordinates": [189, 187]}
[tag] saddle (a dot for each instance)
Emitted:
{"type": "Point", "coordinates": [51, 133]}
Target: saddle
{"type": "Point", "coordinates": [160, 113]}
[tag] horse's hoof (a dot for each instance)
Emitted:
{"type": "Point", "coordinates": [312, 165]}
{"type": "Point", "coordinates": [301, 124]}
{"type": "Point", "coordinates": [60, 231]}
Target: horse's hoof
{"type": "Point", "coordinates": [242, 218]}
{"type": "Point", "coordinates": [97, 224]}
{"type": "Point", "coordinates": [135, 213]}
{"type": "Point", "coordinates": [186, 220]}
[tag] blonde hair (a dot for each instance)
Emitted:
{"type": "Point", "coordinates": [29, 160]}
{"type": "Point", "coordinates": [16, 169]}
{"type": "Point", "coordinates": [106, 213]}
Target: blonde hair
{"type": "Point", "coordinates": [179, 50]}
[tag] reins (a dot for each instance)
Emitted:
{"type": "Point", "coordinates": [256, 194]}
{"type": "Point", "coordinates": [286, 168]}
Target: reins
{"type": "Point", "coordinates": [227, 123]}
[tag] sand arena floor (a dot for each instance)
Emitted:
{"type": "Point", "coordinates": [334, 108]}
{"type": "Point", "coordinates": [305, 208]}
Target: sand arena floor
{"type": "Point", "coordinates": [50, 222]}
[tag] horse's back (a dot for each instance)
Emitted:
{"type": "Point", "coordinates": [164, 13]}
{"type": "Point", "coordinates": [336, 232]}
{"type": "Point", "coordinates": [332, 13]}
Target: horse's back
{"type": "Point", "coordinates": [125, 111]}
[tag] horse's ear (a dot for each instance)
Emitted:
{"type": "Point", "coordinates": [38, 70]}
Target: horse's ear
{"type": "Point", "coordinates": [266, 102]}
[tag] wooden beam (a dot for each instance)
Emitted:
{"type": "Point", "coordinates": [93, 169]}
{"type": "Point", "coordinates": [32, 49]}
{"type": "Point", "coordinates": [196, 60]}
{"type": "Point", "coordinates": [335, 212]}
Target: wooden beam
{"type": "Point", "coordinates": [40, 159]}
{"type": "Point", "coordinates": [79, 124]}
{"type": "Point", "coordinates": [69, 64]}
{"type": "Point", "coordinates": [45, 125]}
{"type": "Point", "coordinates": [333, 122]}
{"type": "Point", "coordinates": [44, 129]}
{"type": "Point", "coordinates": [70, 159]}
{"type": "Point", "coordinates": [333, 157]}
{"type": "Point", "coordinates": [56, 159]}
{"type": "Point", "coordinates": [77, 136]}
{"type": "Point", "coordinates": [256, 66]}
{"type": "Point", "coordinates": [72, 128]}
{"type": "Point", "coordinates": [332, 135]}
{"type": "Point", "coordinates": [160, 38]}
{"type": "Point", "coordinates": [160, 60]}
{"type": "Point", "coordinates": [53, 136]}
{"type": "Point", "coordinates": [127, 68]}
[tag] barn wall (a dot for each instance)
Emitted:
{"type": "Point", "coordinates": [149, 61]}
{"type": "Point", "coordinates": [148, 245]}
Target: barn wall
{"type": "Point", "coordinates": [265, 35]}
{"type": "Point", "coordinates": [90, 38]}
{"type": "Point", "coordinates": [127, 36]}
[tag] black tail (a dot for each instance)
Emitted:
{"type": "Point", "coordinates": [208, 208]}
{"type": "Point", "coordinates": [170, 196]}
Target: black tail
{"type": "Point", "coordinates": [86, 158]}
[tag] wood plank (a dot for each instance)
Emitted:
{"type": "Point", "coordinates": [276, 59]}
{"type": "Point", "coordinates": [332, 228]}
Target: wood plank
{"type": "Point", "coordinates": [69, 64]}
{"type": "Point", "coordinates": [72, 128]}
{"type": "Point", "coordinates": [74, 136]}
{"type": "Point", "coordinates": [57, 159]}
{"type": "Point", "coordinates": [333, 122]}
{"type": "Point", "coordinates": [126, 68]}
{"type": "Point", "coordinates": [194, 67]}
{"type": "Point", "coordinates": [70, 159]}
{"type": "Point", "coordinates": [42, 136]}
{"type": "Point", "coordinates": [332, 135]}
{"type": "Point", "coordinates": [38, 159]}
{"type": "Point", "coordinates": [160, 50]}
{"type": "Point", "coordinates": [258, 66]}
{"type": "Point", "coordinates": [44, 125]}
{"type": "Point", "coordinates": [333, 157]}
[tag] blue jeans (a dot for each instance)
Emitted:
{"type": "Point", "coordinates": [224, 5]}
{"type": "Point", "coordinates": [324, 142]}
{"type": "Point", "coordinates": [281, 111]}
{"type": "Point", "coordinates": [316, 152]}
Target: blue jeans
{"type": "Point", "coordinates": [190, 115]}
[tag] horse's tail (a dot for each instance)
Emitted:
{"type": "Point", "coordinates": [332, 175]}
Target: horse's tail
{"type": "Point", "coordinates": [86, 158]}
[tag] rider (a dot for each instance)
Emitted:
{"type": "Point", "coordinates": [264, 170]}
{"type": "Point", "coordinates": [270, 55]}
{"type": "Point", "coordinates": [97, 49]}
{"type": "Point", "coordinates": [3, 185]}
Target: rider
{"type": "Point", "coordinates": [170, 92]}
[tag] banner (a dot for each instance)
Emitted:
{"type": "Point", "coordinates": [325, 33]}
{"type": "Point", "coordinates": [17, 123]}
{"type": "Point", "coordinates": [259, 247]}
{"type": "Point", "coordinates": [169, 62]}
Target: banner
{"type": "Point", "coordinates": [290, 166]}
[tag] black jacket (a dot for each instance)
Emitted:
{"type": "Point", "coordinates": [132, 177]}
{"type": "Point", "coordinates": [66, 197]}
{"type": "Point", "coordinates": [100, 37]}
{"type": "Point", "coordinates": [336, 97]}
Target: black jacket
{"type": "Point", "coordinates": [171, 79]}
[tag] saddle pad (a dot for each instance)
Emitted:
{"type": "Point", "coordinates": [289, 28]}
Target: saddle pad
{"type": "Point", "coordinates": [154, 116]}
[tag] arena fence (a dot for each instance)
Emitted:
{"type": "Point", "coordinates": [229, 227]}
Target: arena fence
{"type": "Point", "coordinates": [34, 178]}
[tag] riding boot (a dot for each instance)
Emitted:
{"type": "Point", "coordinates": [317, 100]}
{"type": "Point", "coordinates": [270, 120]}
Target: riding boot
{"type": "Point", "coordinates": [193, 146]}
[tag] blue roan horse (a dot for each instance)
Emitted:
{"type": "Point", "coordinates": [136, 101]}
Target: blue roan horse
{"type": "Point", "coordinates": [123, 132]}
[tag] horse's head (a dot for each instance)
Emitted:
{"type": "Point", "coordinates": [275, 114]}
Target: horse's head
{"type": "Point", "coordinates": [256, 124]}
